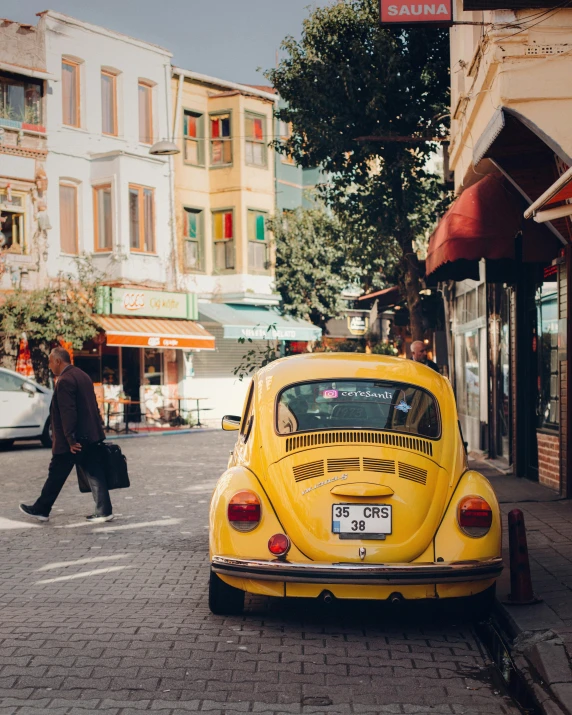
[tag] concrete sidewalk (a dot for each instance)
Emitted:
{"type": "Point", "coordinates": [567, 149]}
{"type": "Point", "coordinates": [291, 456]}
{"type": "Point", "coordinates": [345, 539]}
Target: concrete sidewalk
{"type": "Point", "coordinates": [541, 633]}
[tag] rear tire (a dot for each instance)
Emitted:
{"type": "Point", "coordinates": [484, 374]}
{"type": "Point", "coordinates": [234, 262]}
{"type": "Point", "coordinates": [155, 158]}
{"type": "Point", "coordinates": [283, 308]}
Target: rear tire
{"type": "Point", "coordinates": [471, 608]}
{"type": "Point", "coordinates": [46, 438]}
{"type": "Point", "coordinates": [224, 600]}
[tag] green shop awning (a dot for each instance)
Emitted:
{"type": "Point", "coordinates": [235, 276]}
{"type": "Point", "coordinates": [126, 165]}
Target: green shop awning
{"type": "Point", "coordinates": [257, 322]}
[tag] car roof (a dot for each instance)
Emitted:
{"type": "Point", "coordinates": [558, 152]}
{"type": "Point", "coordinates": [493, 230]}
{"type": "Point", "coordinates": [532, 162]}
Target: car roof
{"type": "Point", "coordinates": [27, 379]}
{"type": "Point", "coordinates": [353, 366]}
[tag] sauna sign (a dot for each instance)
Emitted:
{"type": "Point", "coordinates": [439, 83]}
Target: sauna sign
{"type": "Point", "coordinates": [406, 12]}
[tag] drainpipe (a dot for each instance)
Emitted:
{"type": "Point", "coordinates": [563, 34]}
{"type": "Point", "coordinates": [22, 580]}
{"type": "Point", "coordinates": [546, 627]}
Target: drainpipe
{"type": "Point", "coordinates": [174, 258]}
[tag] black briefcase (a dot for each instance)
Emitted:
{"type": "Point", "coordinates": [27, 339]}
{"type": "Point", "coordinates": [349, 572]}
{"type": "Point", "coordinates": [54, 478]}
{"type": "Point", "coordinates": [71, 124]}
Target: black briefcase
{"type": "Point", "coordinates": [114, 467]}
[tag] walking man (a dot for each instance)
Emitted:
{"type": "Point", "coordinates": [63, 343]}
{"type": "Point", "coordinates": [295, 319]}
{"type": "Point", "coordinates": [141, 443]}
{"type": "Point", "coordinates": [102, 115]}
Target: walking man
{"type": "Point", "coordinates": [77, 434]}
{"type": "Point", "coordinates": [419, 354]}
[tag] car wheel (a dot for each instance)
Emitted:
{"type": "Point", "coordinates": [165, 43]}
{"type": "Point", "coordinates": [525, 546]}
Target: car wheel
{"type": "Point", "coordinates": [6, 443]}
{"type": "Point", "coordinates": [471, 608]}
{"type": "Point", "coordinates": [224, 600]}
{"type": "Point", "coordinates": [46, 438]}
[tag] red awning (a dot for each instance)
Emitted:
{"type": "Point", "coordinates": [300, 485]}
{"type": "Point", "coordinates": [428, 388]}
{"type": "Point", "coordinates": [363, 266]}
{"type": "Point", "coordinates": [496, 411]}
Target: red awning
{"type": "Point", "coordinates": [155, 333]}
{"type": "Point", "coordinates": [483, 223]}
{"type": "Point", "coordinates": [385, 297]}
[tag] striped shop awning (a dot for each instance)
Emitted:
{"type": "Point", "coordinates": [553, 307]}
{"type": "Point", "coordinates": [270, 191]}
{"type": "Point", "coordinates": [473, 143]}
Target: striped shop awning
{"type": "Point", "coordinates": [155, 333]}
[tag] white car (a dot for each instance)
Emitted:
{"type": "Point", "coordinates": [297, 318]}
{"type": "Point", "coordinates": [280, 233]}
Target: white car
{"type": "Point", "coordinates": [24, 409]}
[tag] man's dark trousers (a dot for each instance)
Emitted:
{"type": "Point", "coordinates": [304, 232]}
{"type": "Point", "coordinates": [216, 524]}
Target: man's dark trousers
{"type": "Point", "coordinates": [90, 460]}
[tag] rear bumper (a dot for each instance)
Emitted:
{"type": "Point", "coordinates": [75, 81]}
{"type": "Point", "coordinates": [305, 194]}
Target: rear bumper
{"type": "Point", "coordinates": [372, 574]}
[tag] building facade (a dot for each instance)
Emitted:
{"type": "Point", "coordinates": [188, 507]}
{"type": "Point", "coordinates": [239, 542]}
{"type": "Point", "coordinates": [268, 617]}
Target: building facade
{"type": "Point", "coordinates": [24, 196]}
{"type": "Point", "coordinates": [506, 275]}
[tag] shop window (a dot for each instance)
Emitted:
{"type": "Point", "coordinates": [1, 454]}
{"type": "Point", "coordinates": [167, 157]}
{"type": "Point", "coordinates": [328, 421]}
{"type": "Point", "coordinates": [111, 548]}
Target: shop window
{"type": "Point", "coordinates": [108, 103]}
{"type": "Point", "coordinates": [152, 367]}
{"type": "Point", "coordinates": [193, 131]}
{"type": "Point", "coordinates": [141, 219]}
{"type": "Point", "coordinates": [145, 93]}
{"type": "Point", "coordinates": [20, 100]}
{"type": "Point", "coordinates": [68, 219]}
{"type": "Point", "coordinates": [102, 218]}
{"type": "Point", "coordinates": [223, 235]}
{"type": "Point", "coordinates": [547, 350]}
{"type": "Point", "coordinates": [70, 93]}
{"type": "Point", "coordinates": [194, 246]}
{"type": "Point", "coordinates": [13, 221]}
{"type": "Point", "coordinates": [256, 151]}
{"type": "Point", "coordinates": [257, 241]}
{"type": "Point", "coordinates": [285, 134]}
{"type": "Point", "coordinates": [221, 140]}
{"type": "Point", "coordinates": [468, 373]}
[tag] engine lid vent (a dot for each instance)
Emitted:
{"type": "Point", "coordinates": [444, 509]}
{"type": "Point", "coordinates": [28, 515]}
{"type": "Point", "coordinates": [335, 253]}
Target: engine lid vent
{"type": "Point", "coordinates": [391, 439]}
{"type": "Point", "coordinates": [309, 470]}
{"type": "Point", "coordinates": [387, 466]}
{"type": "Point", "coordinates": [344, 465]}
{"type": "Point", "coordinates": [414, 474]}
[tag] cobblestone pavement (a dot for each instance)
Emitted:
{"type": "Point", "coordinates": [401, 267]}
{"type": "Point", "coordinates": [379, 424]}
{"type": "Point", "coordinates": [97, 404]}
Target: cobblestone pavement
{"type": "Point", "coordinates": [114, 618]}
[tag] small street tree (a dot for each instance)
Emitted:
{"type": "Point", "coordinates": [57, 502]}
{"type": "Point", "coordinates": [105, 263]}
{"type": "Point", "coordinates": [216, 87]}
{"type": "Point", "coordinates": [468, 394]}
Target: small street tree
{"type": "Point", "coordinates": [312, 267]}
{"type": "Point", "coordinates": [362, 100]}
{"type": "Point", "coordinates": [61, 311]}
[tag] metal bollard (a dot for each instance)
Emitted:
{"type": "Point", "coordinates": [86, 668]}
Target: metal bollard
{"type": "Point", "coordinates": [520, 581]}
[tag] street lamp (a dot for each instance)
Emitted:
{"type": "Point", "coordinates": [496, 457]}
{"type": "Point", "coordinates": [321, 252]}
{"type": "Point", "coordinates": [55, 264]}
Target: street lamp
{"type": "Point", "coordinates": [164, 148]}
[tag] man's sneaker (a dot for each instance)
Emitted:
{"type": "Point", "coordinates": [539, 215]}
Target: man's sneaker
{"type": "Point", "coordinates": [98, 519]}
{"type": "Point", "coordinates": [30, 511]}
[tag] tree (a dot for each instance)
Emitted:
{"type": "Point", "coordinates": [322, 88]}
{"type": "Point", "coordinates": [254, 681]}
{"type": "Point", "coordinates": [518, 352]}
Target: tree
{"type": "Point", "coordinates": [61, 311]}
{"type": "Point", "coordinates": [349, 78]}
{"type": "Point", "coordinates": [312, 269]}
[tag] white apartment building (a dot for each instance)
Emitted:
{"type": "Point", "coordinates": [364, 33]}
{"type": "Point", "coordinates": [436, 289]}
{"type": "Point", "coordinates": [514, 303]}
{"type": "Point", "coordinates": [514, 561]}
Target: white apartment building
{"type": "Point", "coordinates": [110, 103]}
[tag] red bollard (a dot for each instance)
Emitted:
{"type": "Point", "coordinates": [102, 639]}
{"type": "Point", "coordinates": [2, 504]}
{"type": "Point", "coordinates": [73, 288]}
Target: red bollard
{"type": "Point", "coordinates": [520, 581]}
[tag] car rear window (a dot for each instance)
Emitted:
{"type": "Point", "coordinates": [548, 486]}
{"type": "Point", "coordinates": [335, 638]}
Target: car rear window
{"type": "Point", "coordinates": [357, 404]}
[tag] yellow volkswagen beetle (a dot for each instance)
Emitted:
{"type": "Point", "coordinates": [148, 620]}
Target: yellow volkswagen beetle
{"type": "Point", "coordinates": [349, 479]}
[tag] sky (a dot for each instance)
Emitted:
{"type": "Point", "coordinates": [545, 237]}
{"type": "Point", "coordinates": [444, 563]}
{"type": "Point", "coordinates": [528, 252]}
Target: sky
{"type": "Point", "coordinates": [228, 39]}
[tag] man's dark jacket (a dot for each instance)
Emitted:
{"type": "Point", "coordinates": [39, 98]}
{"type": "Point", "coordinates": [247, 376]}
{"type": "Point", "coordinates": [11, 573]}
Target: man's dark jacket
{"type": "Point", "coordinates": [74, 411]}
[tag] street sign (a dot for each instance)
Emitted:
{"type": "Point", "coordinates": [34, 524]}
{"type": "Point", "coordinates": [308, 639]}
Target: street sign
{"type": "Point", "coordinates": [408, 12]}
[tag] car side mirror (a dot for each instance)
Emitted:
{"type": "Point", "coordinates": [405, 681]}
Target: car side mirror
{"type": "Point", "coordinates": [231, 423]}
{"type": "Point", "coordinates": [30, 389]}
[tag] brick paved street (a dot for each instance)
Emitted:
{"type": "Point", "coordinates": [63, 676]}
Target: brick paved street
{"type": "Point", "coordinates": [114, 618]}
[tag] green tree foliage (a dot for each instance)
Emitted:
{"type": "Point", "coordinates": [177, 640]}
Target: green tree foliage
{"type": "Point", "coordinates": [347, 78]}
{"type": "Point", "coordinates": [312, 267]}
{"type": "Point", "coordinates": [61, 311]}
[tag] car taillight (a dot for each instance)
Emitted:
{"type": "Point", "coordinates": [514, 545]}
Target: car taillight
{"type": "Point", "coordinates": [244, 511]}
{"type": "Point", "coordinates": [474, 515]}
{"type": "Point", "coordinates": [279, 544]}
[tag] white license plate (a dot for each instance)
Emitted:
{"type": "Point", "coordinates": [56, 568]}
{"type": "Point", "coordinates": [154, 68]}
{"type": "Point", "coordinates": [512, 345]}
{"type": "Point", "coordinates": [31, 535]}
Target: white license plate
{"type": "Point", "coordinates": [361, 521]}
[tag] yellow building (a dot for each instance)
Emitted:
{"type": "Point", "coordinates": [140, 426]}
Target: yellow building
{"type": "Point", "coordinates": [506, 239]}
{"type": "Point", "coordinates": [224, 194]}
{"type": "Point", "coordinates": [224, 188]}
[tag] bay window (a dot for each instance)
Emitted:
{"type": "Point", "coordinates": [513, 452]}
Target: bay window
{"type": "Point", "coordinates": [257, 241]}
{"type": "Point", "coordinates": [141, 219]}
{"type": "Point", "coordinates": [103, 218]}
{"type": "Point", "coordinates": [220, 139]}
{"type": "Point", "coordinates": [256, 152]}
{"type": "Point", "coordinates": [223, 236]}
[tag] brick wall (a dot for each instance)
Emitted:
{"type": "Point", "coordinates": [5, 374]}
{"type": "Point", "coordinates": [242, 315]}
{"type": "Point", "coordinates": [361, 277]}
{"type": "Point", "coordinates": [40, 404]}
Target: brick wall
{"type": "Point", "coordinates": [549, 460]}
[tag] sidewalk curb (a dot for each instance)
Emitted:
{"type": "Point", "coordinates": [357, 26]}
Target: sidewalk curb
{"type": "Point", "coordinates": [542, 661]}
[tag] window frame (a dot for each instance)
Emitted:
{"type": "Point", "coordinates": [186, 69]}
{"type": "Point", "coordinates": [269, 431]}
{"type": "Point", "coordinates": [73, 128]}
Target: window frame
{"type": "Point", "coordinates": [266, 242]}
{"type": "Point", "coordinates": [25, 83]}
{"type": "Point", "coordinates": [286, 159]}
{"type": "Point", "coordinates": [229, 139]}
{"type": "Point", "coordinates": [113, 77]}
{"type": "Point", "coordinates": [396, 383]}
{"type": "Point", "coordinates": [22, 213]}
{"type": "Point", "coordinates": [74, 186]}
{"type": "Point", "coordinates": [149, 87]}
{"type": "Point", "coordinates": [96, 247]}
{"type": "Point", "coordinates": [200, 241]}
{"type": "Point", "coordinates": [199, 140]}
{"type": "Point", "coordinates": [141, 209]}
{"type": "Point", "coordinates": [76, 65]}
{"type": "Point", "coordinates": [250, 140]}
{"type": "Point", "coordinates": [216, 269]}
{"type": "Point", "coordinates": [247, 419]}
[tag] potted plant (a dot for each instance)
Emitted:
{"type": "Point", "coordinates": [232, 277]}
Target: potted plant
{"type": "Point", "coordinates": [31, 119]}
{"type": "Point", "coordinates": [7, 117]}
